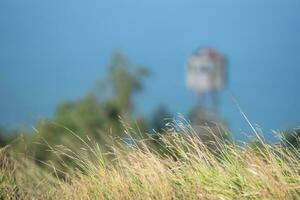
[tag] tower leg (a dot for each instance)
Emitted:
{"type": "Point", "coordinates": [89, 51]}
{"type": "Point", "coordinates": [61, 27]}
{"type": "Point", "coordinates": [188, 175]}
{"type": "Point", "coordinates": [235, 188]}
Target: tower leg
{"type": "Point", "coordinates": [200, 102]}
{"type": "Point", "coordinates": [215, 103]}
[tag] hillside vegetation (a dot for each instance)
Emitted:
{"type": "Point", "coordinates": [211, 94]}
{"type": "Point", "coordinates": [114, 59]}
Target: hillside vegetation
{"type": "Point", "coordinates": [184, 167]}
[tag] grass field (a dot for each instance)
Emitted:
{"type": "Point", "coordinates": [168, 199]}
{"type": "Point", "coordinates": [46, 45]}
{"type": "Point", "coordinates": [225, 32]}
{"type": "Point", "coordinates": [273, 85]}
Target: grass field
{"type": "Point", "coordinates": [183, 168]}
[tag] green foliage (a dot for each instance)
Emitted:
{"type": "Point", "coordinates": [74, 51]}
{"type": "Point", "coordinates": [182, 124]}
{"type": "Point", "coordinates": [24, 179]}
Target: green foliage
{"type": "Point", "coordinates": [161, 116]}
{"type": "Point", "coordinates": [292, 138]}
{"type": "Point", "coordinates": [7, 137]}
{"type": "Point", "coordinates": [97, 115]}
{"type": "Point", "coordinates": [124, 79]}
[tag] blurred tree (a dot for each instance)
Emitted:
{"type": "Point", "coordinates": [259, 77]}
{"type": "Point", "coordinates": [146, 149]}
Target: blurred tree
{"type": "Point", "coordinates": [199, 117]}
{"type": "Point", "coordinates": [97, 114]}
{"type": "Point", "coordinates": [125, 79]}
{"type": "Point", "coordinates": [7, 136]}
{"type": "Point", "coordinates": [291, 139]}
{"type": "Point", "coordinates": [3, 140]}
{"type": "Point", "coordinates": [160, 117]}
{"type": "Point", "coordinates": [208, 128]}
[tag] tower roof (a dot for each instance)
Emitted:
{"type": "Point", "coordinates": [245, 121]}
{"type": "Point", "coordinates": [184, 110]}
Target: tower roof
{"type": "Point", "coordinates": [208, 53]}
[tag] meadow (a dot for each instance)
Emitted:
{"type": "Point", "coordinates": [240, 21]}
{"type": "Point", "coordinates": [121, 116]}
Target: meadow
{"type": "Point", "coordinates": [183, 167]}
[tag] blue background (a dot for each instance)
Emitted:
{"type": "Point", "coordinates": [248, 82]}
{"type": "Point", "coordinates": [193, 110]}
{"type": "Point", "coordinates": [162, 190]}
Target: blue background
{"type": "Point", "coordinates": [52, 51]}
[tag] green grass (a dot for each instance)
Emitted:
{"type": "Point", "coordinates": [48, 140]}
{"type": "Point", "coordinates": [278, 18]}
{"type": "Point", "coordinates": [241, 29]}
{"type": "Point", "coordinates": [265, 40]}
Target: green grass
{"type": "Point", "coordinates": [183, 168]}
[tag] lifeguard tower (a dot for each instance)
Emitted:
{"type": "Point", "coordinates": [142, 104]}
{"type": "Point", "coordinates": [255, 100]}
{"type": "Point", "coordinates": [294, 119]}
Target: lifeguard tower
{"type": "Point", "coordinates": [205, 75]}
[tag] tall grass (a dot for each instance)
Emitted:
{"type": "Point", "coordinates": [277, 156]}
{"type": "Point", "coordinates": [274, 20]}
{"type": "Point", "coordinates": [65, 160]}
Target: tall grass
{"type": "Point", "coordinates": [184, 167]}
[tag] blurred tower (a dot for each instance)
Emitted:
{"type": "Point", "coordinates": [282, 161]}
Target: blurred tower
{"type": "Point", "coordinates": [205, 76]}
